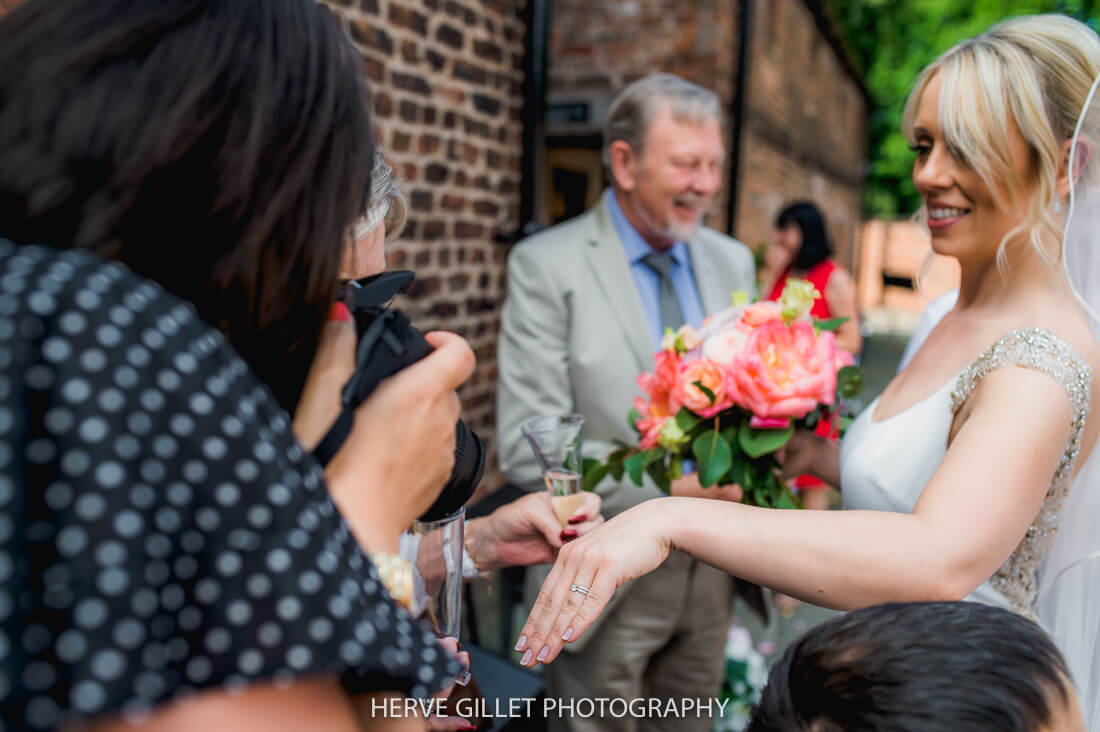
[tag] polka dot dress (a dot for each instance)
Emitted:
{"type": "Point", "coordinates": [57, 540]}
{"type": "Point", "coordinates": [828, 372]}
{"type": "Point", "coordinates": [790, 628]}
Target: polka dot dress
{"type": "Point", "coordinates": [161, 530]}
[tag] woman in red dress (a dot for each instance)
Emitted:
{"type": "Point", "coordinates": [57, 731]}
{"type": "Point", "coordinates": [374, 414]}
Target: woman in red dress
{"type": "Point", "coordinates": [801, 249]}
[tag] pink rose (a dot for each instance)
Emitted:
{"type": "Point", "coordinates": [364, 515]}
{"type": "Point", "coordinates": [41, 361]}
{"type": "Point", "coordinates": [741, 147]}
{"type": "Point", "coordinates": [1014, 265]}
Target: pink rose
{"type": "Point", "coordinates": [785, 371]}
{"type": "Point", "coordinates": [769, 423]}
{"type": "Point", "coordinates": [713, 377]}
{"type": "Point", "coordinates": [843, 358]}
{"type": "Point", "coordinates": [723, 347]}
{"type": "Point", "coordinates": [759, 313]}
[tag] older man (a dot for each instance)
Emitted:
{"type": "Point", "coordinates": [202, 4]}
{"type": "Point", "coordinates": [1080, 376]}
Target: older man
{"type": "Point", "coordinates": [588, 301]}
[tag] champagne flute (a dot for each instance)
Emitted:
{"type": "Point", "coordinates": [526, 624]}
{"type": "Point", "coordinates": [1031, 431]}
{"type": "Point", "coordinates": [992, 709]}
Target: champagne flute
{"type": "Point", "coordinates": [556, 442]}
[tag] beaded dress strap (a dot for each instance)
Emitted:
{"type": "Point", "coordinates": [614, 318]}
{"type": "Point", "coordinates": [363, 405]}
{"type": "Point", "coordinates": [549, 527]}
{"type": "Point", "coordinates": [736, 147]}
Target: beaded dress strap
{"type": "Point", "coordinates": [1041, 350]}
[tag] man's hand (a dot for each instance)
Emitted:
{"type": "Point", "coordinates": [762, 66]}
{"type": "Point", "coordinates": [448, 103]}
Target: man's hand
{"type": "Point", "coordinates": [689, 487]}
{"type": "Point", "coordinates": [526, 531]}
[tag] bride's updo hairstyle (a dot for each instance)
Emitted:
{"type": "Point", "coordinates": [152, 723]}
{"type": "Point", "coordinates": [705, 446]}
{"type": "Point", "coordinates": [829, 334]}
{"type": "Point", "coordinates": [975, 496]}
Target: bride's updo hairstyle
{"type": "Point", "coordinates": [1033, 72]}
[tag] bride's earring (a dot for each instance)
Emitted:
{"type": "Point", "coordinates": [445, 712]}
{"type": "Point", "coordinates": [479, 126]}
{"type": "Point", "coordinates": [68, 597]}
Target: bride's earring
{"type": "Point", "coordinates": [1056, 207]}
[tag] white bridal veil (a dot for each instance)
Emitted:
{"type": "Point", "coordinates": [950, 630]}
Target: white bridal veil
{"type": "Point", "coordinates": [1069, 580]}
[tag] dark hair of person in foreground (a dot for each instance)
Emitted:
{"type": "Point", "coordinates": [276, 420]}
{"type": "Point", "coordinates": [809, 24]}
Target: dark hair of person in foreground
{"type": "Point", "coordinates": [914, 667]}
{"type": "Point", "coordinates": [221, 149]}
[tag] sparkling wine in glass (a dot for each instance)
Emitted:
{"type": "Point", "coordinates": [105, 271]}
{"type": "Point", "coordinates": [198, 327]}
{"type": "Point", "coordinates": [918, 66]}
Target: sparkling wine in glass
{"type": "Point", "coordinates": [556, 442]}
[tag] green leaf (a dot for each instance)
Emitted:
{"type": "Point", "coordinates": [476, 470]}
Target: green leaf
{"type": "Point", "coordinates": [639, 461]}
{"type": "Point", "coordinates": [594, 475]}
{"type": "Point", "coordinates": [656, 471]}
{"type": "Point", "coordinates": [632, 418]}
{"type": "Point", "coordinates": [687, 420]}
{"type": "Point", "coordinates": [849, 382]}
{"type": "Point", "coordinates": [787, 500]}
{"type": "Point", "coordinates": [757, 443]}
{"type": "Point", "coordinates": [635, 466]}
{"type": "Point", "coordinates": [617, 456]}
{"type": "Point", "coordinates": [738, 465]}
{"type": "Point", "coordinates": [813, 418]}
{"type": "Point", "coordinates": [709, 394]}
{"type": "Point", "coordinates": [713, 455]}
{"type": "Point", "coordinates": [830, 324]}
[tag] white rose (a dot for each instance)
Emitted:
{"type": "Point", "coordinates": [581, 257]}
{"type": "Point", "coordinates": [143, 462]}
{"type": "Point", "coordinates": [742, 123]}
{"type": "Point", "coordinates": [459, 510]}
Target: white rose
{"type": "Point", "coordinates": [723, 346]}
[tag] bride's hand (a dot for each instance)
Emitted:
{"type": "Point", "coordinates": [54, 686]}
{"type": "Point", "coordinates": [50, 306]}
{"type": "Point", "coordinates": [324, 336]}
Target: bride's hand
{"type": "Point", "coordinates": [801, 455]}
{"type": "Point", "coordinates": [627, 546]}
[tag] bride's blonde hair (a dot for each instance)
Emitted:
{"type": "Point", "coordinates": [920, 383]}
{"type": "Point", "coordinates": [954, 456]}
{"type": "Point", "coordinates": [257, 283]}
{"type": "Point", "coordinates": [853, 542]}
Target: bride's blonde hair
{"type": "Point", "coordinates": [1034, 71]}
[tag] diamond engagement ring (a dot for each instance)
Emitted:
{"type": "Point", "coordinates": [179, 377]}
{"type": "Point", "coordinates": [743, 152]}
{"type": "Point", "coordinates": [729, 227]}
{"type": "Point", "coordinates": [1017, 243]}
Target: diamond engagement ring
{"type": "Point", "coordinates": [578, 588]}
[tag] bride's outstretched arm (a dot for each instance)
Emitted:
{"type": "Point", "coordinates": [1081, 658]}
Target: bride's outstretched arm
{"type": "Point", "coordinates": [970, 517]}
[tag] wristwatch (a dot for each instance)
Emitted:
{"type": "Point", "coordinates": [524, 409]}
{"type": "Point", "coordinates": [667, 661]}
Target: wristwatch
{"type": "Point", "coordinates": [397, 575]}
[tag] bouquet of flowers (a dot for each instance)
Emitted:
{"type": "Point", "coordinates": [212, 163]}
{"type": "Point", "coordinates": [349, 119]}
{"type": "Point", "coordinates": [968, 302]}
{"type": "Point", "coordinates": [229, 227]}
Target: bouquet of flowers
{"type": "Point", "coordinates": [732, 393]}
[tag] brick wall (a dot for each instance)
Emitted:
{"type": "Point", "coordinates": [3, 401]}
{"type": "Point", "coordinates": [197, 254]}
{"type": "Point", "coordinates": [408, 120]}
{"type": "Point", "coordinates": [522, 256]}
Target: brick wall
{"type": "Point", "coordinates": [805, 125]}
{"type": "Point", "coordinates": [805, 128]}
{"type": "Point", "coordinates": [596, 48]}
{"type": "Point", "coordinates": [899, 274]}
{"type": "Point", "coordinates": [446, 77]}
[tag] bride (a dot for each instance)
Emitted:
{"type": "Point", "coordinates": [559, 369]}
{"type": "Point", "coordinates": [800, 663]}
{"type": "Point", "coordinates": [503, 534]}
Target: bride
{"type": "Point", "coordinates": [968, 476]}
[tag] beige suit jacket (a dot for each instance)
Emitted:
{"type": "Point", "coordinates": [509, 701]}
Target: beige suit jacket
{"type": "Point", "coordinates": [574, 338]}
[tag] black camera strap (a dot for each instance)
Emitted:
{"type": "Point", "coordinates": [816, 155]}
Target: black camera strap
{"type": "Point", "coordinates": [369, 372]}
{"type": "Point", "coordinates": [334, 439]}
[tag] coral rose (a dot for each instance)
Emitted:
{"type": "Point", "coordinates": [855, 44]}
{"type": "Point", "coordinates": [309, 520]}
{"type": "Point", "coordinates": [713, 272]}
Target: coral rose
{"type": "Point", "coordinates": [785, 371]}
{"type": "Point", "coordinates": [712, 376]}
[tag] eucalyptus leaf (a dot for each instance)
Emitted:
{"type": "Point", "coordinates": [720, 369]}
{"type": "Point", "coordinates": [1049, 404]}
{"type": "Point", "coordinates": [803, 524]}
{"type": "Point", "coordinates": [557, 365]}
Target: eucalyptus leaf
{"type": "Point", "coordinates": [831, 324]}
{"type": "Point", "coordinates": [637, 463]}
{"type": "Point", "coordinates": [849, 382]}
{"type": "Point", "coordinates": [714, 457]}
{"type": "Point", "coordinates": [757, 443]}
{"type": "Point", "coordinates": [687, 420]}
{"type": "Point", "coordinates": [709, 394]}
{"type": "Point", "coordinates": [657, 473]}
{"type": "Point", "coordinates": [632, 418]}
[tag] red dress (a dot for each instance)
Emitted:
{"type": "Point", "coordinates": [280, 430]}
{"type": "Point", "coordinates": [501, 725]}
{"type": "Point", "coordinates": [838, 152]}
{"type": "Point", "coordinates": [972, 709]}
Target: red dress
{"type": "Point", "coordinates": [818, 276]}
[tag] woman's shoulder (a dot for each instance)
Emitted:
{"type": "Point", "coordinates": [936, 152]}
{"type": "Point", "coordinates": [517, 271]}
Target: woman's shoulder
{"type": "Point", "coordinates": [168, 532]}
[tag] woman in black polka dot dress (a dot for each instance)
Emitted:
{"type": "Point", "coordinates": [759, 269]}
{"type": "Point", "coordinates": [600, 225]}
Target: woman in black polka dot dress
{"type": "Point", "coordinates": [170, 554]}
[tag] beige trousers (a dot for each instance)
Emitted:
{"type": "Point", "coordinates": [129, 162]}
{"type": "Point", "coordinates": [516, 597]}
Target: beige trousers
{"type": "Point", "coordinates": [666, 640]}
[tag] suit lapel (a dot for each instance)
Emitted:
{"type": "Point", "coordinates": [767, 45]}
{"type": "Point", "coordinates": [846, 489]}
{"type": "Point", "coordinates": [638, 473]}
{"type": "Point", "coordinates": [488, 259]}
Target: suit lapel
{"type": "Point", "coordinates": [608, 262]}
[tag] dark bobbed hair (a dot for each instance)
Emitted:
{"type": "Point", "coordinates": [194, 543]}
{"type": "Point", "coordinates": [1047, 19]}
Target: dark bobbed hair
{"type": "Point", "coordinates": [221, 148]}
{"type": "Point", "coordinates": [919, 667]}
{"type": "Point", "coordinates": [815, 240]}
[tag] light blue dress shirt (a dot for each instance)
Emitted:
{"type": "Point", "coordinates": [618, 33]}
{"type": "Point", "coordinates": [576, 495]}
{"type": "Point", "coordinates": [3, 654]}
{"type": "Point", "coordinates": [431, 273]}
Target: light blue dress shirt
{"type": "Point", "coordinates": [648, 281]}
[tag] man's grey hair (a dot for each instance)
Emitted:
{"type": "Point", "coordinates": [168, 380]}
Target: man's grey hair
{"type": "Point", "coordinates": [633, 109]}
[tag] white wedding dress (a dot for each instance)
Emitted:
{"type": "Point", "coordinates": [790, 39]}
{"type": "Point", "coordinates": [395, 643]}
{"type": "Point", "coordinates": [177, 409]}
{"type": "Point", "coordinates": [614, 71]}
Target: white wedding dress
{"type": "Point", "coordinates": [885, 464]}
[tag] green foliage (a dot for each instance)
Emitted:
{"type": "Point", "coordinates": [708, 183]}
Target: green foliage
{"type": "Point", "coordinates": [831, 324]}
{"type": "Point", "coordinates": [714, 455]}
{"type": "Point", "coordinates": [757, 443]}
{"type": "Point", "coordinates": [849, 382]}
{"type": "Point", "coordinates": [892, 41]}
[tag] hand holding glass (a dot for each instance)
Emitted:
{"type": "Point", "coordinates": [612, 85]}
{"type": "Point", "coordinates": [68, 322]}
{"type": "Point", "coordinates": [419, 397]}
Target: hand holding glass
{"type": "Point", "coordinates": [556, 442]}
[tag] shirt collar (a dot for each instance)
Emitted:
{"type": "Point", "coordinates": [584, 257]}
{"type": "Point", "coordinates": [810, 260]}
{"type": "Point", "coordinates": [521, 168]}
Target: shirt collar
{"type": "Point", "coordinates": [635, 246]}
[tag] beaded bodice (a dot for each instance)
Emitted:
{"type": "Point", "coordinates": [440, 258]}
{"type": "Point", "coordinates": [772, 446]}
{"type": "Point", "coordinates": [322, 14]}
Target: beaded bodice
{"type": "Point", "coordinates": [1041, 350]}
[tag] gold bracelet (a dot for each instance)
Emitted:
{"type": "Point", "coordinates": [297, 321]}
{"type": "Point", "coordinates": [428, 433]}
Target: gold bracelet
{"type": "Point", "coordinates": [397, 575]}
